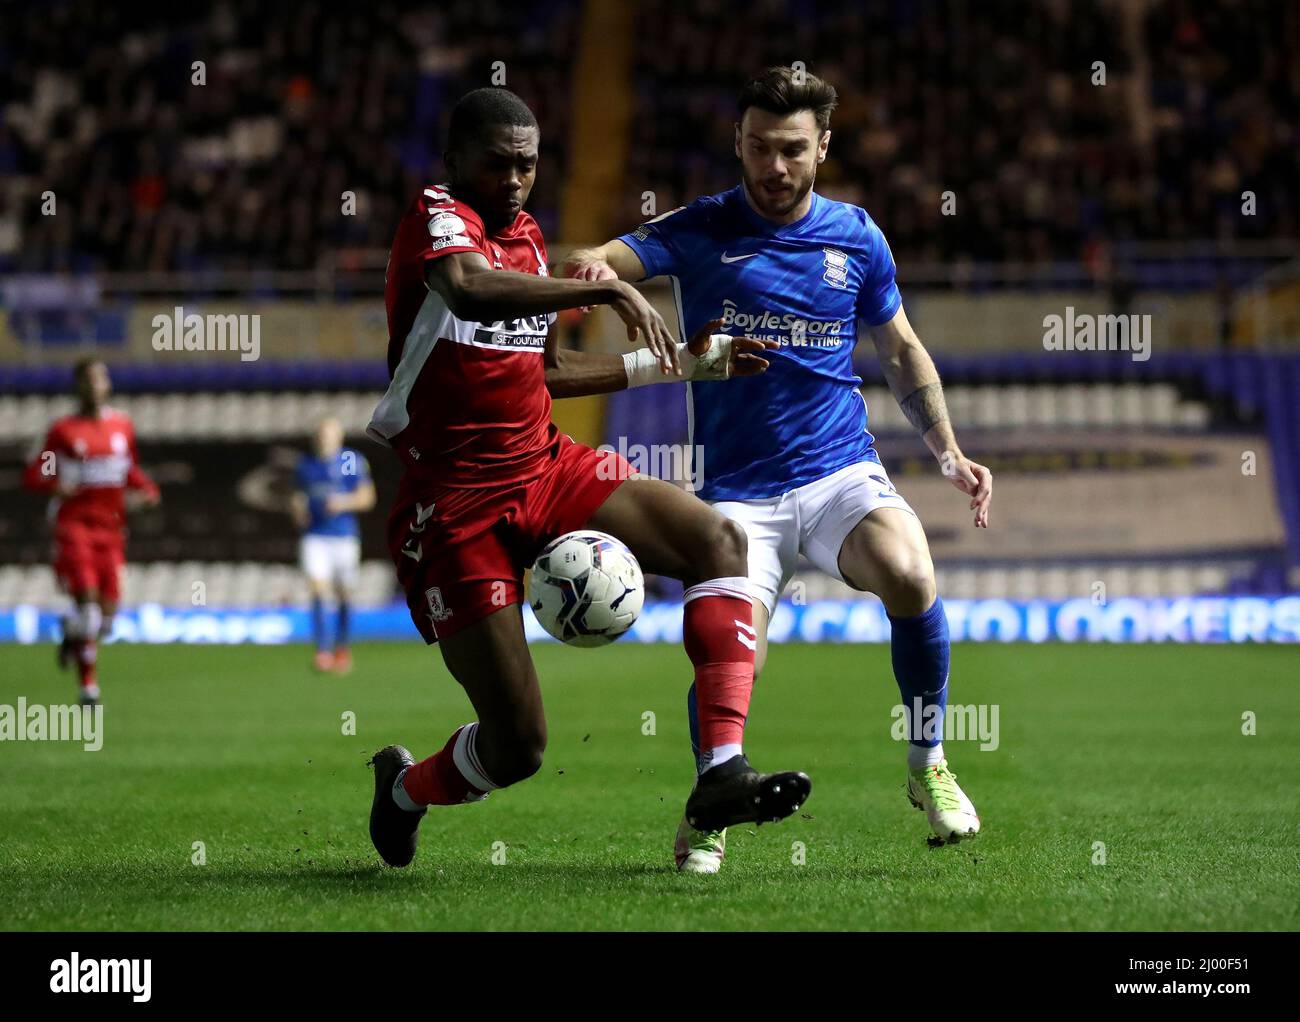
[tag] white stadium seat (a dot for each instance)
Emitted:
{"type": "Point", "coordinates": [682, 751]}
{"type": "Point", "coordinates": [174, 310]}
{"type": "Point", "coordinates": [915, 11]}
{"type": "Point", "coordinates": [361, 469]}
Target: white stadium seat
{"type": "Point", "coordinates": [292, 416]}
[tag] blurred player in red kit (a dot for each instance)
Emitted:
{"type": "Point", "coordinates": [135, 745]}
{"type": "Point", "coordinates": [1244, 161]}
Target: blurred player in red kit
{"type": "Point", "coordinates": [488, 480]}
{"type": "Point", "coordinates": [88, 463]}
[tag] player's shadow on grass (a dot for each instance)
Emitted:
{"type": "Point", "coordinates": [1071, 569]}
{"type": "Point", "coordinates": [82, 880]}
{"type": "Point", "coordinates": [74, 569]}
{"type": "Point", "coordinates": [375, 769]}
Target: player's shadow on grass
{"type": "Point", "coordinates": [359, 876]}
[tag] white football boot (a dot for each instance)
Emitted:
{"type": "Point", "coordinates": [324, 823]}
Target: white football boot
{"type": "Point", "coordinates": [951, 814]}
{"type": "Point", "coordinates": [699, 851]}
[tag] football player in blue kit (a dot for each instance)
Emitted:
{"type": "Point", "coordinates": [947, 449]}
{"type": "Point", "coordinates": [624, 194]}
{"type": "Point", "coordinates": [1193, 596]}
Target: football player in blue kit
{"type": "Point", "coordinates": [332, 485]}
{"type": "Point", "coordinates": [789, 455]}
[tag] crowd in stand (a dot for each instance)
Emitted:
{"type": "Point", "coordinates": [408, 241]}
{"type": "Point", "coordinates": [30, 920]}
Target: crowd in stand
{"type": "Point", "coordinates": [157, 164]}
{"type": "Point", "coordinates": [995, 102]}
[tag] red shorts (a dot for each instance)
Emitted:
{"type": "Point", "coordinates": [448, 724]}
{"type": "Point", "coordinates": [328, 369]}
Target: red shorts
{"type": "Point", "coordinates": [90, 561]}
{"type": "Point", "coordinates": [461, 553]}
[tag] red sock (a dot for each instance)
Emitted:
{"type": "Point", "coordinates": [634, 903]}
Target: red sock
{"type": "Point", "coordinates": [450, 776]}
{"type": "Point", "coordinates": [719, 635]}
{"type": "Point", "coordinates": [87, 654]}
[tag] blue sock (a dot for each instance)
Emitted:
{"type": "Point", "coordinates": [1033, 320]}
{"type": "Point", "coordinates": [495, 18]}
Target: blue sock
{"type": "Point", "coordinates": [318, 622]}
{"type": "Point", "coordinates": [693, 718]}
{"type": "Point", "coordinates": [345, 621]}
{"type": "Point", "coordinates": [921, 653]}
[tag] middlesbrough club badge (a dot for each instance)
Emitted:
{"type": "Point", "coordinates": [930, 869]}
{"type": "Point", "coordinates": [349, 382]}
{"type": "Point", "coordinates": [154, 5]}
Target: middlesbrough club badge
{"type": "Point", "coordinates": [438, 611]}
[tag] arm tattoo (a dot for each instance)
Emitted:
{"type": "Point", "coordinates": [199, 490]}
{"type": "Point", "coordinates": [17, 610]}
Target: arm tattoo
{"type": "Point", "coordinates": [925, 407]}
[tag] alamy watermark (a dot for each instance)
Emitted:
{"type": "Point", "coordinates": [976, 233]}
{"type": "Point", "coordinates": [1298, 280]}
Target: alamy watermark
{"type": "Point", "coordinates": [182, 331]}
{"type": "Point", "coordinates": [675, 463]}
{"type": "Point", "coordinates": [77, 975]}
{"type": "Point", "coordinates": [973, 722]}
{"type": "Point", "coordinates": [58, 723]}
{"type": "Point", "coordinates": [1084, 331]}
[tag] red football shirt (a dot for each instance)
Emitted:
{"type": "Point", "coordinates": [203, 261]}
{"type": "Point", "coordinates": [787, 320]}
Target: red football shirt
{"type": "Point", "coordinates": [97, 456]}
{"type": "Point", "coordinates": [468, 404]}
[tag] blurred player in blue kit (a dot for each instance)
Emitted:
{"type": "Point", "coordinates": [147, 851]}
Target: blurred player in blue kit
{"type": "Point", "coordinates": [332, 486]}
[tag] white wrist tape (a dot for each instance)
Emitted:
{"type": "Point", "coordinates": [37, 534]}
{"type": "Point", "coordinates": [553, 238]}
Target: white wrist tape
{"type": "Point", "coordinates": [714, 364]}
{"type": "Point", "coordinates": [642, 367]}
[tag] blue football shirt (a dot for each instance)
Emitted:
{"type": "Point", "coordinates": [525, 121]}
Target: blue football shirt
{"type": "Point", "coordinates": [806, 286]}
{"type": "Point", "coordinates": [319, 478]}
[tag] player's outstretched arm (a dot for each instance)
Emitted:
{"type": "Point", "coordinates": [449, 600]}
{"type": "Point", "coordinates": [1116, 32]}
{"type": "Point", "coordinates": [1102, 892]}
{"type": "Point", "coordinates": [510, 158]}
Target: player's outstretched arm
{"type": "Point", "coordinates": [707, 356]}
{"type": "Point", "coordinates": [914, 381]}
{"type": "Point", "coordinates": [299, 508]}
{"type": "Point", "coordinates": [139, 483]}
{"type": "Point", "coordinates": [612, 260]}
{"type": "Point", "coordinates": [357, 501]}
{"type": "Point", "coordinates": [475, 292]}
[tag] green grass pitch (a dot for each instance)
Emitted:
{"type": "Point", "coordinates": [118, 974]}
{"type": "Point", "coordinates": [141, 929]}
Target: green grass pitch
{"type": "Point", "coordinates": [243, 749]}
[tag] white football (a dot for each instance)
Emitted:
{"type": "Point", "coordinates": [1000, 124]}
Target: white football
{"type": "Point", "coordinates": [586, 588]}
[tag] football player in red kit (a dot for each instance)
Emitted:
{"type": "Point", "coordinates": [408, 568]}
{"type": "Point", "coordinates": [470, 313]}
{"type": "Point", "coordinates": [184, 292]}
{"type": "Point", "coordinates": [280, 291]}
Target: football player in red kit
{"type": "Point", "coordinates": [489, 480]}
{"type": "Point", "coordinates": [88, 463]}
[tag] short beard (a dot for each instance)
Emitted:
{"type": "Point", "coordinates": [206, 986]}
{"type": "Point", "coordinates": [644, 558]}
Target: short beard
{"type": "Point", "coordinates": [757, 196]}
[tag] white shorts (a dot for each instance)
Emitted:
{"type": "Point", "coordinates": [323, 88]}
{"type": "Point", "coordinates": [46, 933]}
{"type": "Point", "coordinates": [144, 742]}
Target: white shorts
{"type": "Point", "coordinates": [812, 520]}
{"type": "Point", "coordinates": [334, 560]}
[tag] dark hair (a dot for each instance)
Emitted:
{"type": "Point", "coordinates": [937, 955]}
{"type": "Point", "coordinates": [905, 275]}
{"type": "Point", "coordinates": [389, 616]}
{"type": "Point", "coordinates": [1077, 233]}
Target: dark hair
{"type": "Point", "coordinates": [783, 90]}
{"type": "Point", "coordinates": [486, 108]}
{"type": "Point", "coordinates": [82, 366]}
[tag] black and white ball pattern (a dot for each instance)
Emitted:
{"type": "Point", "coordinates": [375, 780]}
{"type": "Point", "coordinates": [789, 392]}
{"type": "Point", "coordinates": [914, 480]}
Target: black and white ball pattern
{"type": "Point", "coordinates": [587, 588]}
